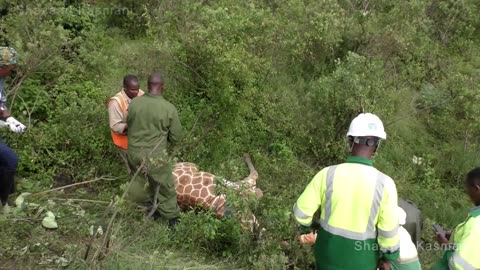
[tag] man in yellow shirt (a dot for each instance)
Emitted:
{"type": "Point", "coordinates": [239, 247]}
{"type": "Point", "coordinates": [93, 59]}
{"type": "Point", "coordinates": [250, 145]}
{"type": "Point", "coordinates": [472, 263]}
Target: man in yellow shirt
{"type": "Point", "coordinates": [118, 111]}
{"type": "Point", "coordinates": [462, 251]}
{"type": "Point", "coordinates": [358, 203]}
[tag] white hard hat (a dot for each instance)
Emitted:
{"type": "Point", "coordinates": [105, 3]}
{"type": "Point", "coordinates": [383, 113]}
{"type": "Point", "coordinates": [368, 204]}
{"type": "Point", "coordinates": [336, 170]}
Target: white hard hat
{"type": "Point", "coordinates": [402, 216]}
{"type": "Point", "coordinates": [367, 124]}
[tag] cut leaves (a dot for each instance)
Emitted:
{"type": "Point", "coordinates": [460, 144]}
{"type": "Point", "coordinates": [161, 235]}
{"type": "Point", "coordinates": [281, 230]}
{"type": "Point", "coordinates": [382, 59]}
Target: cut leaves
{"type": "Point", "coordinates": [49, 221]}
{"type": "Point", "coordinates": [20, 200]}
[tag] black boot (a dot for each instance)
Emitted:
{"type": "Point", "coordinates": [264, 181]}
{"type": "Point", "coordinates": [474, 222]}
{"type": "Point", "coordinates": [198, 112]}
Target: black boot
{"type": "Point", "coordinates": [173, 222]}
{"type": "Point", "coordinates": [7, 181]}
{"type": "Point", "coordinates": [13, 188]}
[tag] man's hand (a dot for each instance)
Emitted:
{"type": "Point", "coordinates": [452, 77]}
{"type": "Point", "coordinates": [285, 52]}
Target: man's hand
{"type": "Point", "coordinates": [15, 126]}
{"type": "Point", "coordinates": [308, 239]}
{"type": "Point", "coordinates": [443, 240]}
{"type": "Point", "coordinates": [383, 265]}
{"type": "Point", "coordinates": [4, 71]}
{"type": "Point", "coordinates": [3, 113]}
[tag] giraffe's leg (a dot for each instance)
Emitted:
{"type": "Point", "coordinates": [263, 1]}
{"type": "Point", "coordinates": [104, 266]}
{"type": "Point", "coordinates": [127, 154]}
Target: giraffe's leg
{"type": "Point", "coordinates": [251, 180]}
{"type": "Point", "coordinates": [155, 202]}
{"type": "Point", "coordinates": [253, 173]}
{"type": "Point", "coordinates": [249, 183]}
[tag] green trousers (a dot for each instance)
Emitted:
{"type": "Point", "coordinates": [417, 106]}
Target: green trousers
{"type": "Point", "coordinates": [154, 172]}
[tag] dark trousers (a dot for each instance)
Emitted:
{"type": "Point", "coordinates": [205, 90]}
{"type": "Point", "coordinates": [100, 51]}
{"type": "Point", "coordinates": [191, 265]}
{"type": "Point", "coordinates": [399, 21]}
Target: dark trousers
{"type": "Point", "coordinates": [8, 167]}
{"type": "Point", "coordinates": [8, 158]}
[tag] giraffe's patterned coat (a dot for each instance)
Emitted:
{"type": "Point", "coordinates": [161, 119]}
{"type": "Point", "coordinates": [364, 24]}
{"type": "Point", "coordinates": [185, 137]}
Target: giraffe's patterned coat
{"type": "Point", "coordinates": [195, 187]}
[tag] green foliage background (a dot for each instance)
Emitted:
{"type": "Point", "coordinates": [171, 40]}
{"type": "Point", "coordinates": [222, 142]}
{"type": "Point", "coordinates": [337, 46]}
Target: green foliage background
{"type": "Point", "coordinates": [278, 79]}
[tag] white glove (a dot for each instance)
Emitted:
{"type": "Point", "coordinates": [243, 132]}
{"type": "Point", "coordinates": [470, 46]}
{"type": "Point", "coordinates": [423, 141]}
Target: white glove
{"type": "Point", "coordinates": [15, 126]}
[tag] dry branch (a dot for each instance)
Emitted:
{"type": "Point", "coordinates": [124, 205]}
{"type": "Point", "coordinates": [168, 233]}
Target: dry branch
{"type": "Point", "coordinates": [73, 185]}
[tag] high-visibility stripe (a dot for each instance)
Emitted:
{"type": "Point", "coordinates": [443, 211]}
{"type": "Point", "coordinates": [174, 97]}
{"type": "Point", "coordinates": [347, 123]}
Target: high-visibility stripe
{"type": "Point", "coordinates": [458, 259]}
{"type": "Point", "coordinates": [370, 232]}
{"type": "Point", "coordinates": [409, 260]}
{"type": "Point", "coordinates": [120, 140]}
{"type": "Point", "coordinates": [329, 192]}
{"type": "Point", "coordinates": [377, 200]}
{"type": "Point", "coordinates": [388, 234]}
{"type": "Point", "coordinates": [347, 233]}
{"type": "Point", "coordinates": [299, 213]}
{"type": "Point", "coordinates": [122, 102]}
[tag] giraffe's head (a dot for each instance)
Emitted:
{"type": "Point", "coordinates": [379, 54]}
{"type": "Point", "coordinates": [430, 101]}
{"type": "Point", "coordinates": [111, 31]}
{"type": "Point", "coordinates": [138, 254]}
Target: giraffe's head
{"type": "Point", "coordinates": [258, 193]}
{"type": "Point", "coordinates": [248, 220]}
{"type": "Point", "coordinates": [249, 223]}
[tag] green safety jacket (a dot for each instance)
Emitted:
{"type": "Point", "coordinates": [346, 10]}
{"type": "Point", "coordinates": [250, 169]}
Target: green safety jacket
{"type": "Point", "coordinates": [358, 218]}
{"type": "Point", "coordinates": [464, 253]}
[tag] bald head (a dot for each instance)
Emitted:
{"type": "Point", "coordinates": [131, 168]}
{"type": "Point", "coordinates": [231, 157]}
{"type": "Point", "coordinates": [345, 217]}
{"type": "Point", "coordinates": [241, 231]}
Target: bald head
{"type": "Point", "coordinates": [155, 84]}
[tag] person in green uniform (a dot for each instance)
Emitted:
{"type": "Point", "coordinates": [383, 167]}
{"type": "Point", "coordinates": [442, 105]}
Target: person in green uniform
{"type": "Point", "coordinates": [153, 124]}
{"type": "Point", "coordinates": [462, 245]}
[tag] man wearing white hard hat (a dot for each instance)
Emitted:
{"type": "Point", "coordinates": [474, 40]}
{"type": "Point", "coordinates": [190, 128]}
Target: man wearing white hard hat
{"type": "Point", "coordinates": [357, 203]}
{"type": "Point", "coordinates": [408, 259]}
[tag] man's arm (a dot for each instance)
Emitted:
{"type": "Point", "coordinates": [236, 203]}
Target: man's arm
{"type": "Point", "coordinates": [175, 133]}
{"type": "Point", "coordinates": [3, 113]}
{"type": "Point", "coordinates": [5, 71]}
{"type": "Point", "coordinates": [388, 223]}
{"type": "Point", "coordinates": [115, 116]}
{"type": "Point", "coordinates": [310, 200]}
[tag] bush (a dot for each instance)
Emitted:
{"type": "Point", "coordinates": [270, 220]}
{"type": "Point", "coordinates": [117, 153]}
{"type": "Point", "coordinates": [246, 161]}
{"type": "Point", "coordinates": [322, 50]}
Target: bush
{"type": "Point", "coordinates": [280, 80]}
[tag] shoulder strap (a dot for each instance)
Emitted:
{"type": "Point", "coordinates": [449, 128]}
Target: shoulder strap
{"type": "Point", "coordinates": [120, 100]}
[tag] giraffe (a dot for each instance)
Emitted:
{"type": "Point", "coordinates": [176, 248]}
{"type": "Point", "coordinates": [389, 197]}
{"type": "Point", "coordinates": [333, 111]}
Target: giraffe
{"type": "Point", "coordinates": [197, 188]}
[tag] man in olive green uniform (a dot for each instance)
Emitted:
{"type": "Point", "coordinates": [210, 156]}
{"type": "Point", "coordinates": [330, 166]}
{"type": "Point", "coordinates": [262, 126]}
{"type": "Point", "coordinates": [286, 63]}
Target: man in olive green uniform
{"type": "Point", "coordinates": [153, 122]}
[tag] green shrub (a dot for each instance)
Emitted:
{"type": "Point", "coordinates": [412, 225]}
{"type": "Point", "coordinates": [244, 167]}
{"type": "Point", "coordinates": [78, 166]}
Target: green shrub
{"type": "Point", "coordinates": [280, 80]}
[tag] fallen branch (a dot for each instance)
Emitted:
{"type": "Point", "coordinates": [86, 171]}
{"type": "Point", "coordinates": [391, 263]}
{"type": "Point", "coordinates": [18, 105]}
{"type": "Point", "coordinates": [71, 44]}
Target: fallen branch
{"type": "Point", "coordinates": [80, 200]}
{"type": "Point", "coordinates": [155, 202]}
{"type": "Point", "coordinates": [73, 185]}
{"type": "Point", "coordinates": [106, 239]}
{"type": "Point", "coordinates": [95, 228]}
{"type": "Point", "coordinates": [30, 220]}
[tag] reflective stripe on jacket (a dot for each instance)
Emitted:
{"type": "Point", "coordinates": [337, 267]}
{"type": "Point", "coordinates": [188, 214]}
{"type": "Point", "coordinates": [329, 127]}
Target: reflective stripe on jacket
{"type": "Point", "coordinates": [120, 140]}
{"type": "Point", "coordinates": [357, 203]}
{"type": "Point", "coordinates": [465, 239]}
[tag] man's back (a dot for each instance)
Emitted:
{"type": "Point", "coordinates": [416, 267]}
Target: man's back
{"type": "Point", "coordinates": [357, 201]}
{"type": "Point", "coordinates": [354, 194]}
{"type": "Point", "coordinates": [152, 121]}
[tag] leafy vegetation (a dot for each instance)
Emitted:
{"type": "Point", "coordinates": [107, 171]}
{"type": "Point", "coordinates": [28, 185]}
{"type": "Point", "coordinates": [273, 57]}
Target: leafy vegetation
{"type": "Point", "coordinates": [278, 79]}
